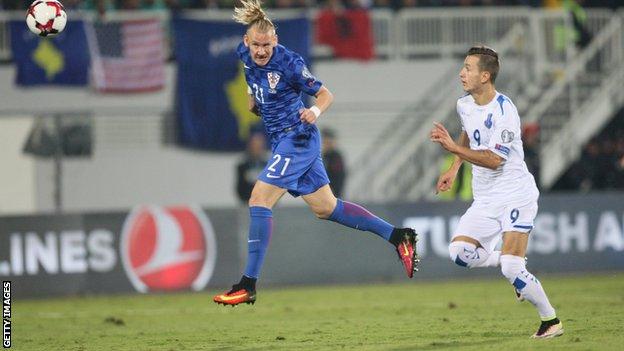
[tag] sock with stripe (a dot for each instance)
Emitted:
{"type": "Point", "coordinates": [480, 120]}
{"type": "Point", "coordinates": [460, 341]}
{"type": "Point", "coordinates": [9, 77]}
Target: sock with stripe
{"type": "Point", "coordinates": [514, 269]}
{"type": "Point", "coordinates": [357, 217]}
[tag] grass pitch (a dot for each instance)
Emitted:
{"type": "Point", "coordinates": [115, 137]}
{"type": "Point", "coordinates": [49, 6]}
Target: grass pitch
{"type": "Point", "coordinates": [464, 315]}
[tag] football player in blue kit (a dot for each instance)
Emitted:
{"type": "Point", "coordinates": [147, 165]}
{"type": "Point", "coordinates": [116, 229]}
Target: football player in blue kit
{"type": "Point", "coordinates": [276, 78]}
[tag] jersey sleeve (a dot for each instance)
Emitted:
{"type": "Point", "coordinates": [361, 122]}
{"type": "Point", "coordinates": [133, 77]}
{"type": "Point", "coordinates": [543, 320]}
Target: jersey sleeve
{"type": "Point", "coordinates": [506, 130]}
{"type": "Point", "coordinates": [301, 78]}
{"type": "Point", "coordinates": [459, 116]}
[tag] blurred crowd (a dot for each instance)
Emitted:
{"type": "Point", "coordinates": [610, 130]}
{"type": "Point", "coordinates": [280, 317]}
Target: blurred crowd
{"type": "Point", "coordinates": [104, 5]}
{"type": "Point", "coordinates": [601, 165]}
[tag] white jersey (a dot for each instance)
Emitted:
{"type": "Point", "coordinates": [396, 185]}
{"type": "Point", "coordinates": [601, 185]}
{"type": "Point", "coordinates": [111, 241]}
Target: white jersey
{"type": "Point", "coordinates": [496, 127]}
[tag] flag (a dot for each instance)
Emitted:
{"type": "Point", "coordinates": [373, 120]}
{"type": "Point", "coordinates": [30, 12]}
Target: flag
{"type": "Point", "coordinates": [62, 60]}
{"type": "Point", "coordinates": [128, 56]}
{"type": "Point", "coordinates": [349, 33]}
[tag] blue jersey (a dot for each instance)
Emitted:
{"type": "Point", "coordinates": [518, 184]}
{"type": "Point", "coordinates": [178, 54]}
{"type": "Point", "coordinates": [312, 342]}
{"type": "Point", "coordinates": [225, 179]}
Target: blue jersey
{"type": "Point", "coordinates": [277, 86]}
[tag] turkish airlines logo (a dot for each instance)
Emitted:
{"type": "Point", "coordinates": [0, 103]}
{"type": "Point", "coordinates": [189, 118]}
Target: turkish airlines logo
{"type": "Point", "coordinates": [165, 249]}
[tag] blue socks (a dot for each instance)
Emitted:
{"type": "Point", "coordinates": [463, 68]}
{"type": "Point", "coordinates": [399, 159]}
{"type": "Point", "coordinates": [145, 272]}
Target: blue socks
{"type": "Point", "coordinates": [260, 230]}
{"type": "Point", "coordinates": [357, 217]}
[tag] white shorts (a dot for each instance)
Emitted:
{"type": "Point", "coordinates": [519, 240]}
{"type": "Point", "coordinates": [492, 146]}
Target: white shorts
{"type": "Point", "coordinates": [487, 222]}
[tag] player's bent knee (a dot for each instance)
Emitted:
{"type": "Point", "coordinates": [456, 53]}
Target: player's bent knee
{"type": "Point", "coordinates": [466, 254]}
{"type": "Point", "coordinates": [323, 212]}
{"type": "Point", "coordinates": [455, 248]}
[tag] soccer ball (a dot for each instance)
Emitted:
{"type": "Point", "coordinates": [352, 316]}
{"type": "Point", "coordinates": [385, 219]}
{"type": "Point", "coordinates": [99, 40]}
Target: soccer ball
{"type": "Point", "coordinates": [46, 18]}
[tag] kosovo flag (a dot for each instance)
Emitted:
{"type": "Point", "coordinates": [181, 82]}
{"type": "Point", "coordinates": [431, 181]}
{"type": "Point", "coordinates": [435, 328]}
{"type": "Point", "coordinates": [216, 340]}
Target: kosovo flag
{"type": "Point", "coordinates": [62, 60]}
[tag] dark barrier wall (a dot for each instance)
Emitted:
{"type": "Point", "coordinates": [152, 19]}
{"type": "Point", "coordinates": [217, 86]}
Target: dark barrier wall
{"type": "Point", "coordinates": [573, 233]}
{"type": "Point", "coordinates": [182, 248]}
{"type": "Point", "coordinates": [149, 249]}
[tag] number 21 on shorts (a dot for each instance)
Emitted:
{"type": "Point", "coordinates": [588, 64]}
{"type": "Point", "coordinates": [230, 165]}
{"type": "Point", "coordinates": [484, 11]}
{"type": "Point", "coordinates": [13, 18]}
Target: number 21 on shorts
{"type": "Point", "coordinates": [277, 158]}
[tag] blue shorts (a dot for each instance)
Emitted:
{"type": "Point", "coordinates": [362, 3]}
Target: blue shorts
{"type": "Point", "coordinates": [296, 164]}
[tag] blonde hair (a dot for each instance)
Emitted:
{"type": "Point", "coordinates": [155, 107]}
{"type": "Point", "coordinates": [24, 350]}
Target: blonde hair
{"type": "Point", "coordinates": [252, 14]}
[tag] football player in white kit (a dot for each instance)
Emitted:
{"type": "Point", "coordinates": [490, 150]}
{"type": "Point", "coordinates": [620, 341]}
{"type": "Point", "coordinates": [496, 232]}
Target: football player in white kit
{"type": "Point", "coordinates": [505, 194]}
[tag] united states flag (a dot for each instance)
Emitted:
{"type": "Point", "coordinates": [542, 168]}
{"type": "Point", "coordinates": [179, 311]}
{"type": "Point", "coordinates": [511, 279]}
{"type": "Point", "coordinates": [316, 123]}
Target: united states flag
{"type": "Point", "coordinates": [128, 56]}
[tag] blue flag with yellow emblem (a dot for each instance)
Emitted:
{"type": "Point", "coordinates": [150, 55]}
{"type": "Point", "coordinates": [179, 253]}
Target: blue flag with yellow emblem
{"type": "Point", "coordinates": [62, 60]}
{"type": "Point", "coordinates": [211, 93]}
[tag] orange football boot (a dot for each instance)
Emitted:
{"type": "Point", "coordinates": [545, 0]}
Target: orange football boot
{"type": "Point", "coordinates": [407, 251]}
{"type": "Point", "coordinates": [235, 296]}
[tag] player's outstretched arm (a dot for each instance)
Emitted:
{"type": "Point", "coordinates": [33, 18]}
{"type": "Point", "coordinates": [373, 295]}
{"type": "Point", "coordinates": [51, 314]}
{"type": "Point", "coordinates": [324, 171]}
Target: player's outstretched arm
{"type": "Point", "coordinates": [447, 178]}
{"type": "Point", "coordinates": [324, 99]}
{"type": "Point", "coordinates": [483, 158]}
